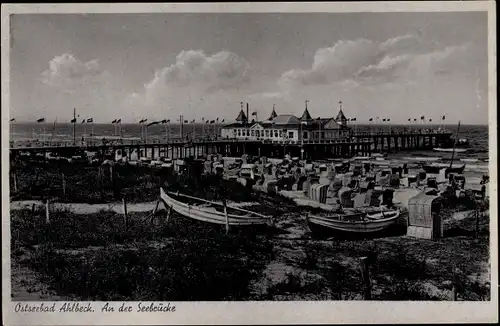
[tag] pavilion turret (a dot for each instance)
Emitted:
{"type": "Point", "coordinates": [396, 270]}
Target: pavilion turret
{"type": "Point", "coordinates": [242, 117]}
{"type": "Point", "coordinates": [273, 114]}
{"type": "Point", "coordinates": [306, 116]}
{"type": "Point", "coordinates": [341, 119]}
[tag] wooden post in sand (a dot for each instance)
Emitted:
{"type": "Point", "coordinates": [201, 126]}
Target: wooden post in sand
{"type": "Point", "coordinates": [227, 217]}
{"type": "Point", "coordinates": [156, 207]}
{"type": "Point", "coordinates": [367, 285]}
{"type": "Point", "coordinates": [477, 222]}
{"type": "Point", "coordinates": [63, 184]}
{"type": "Point", "coordinates": [454, 292]}
{"type": "Point", "coordinates": [14, 181]}
{"type": "Point", "coordinates": [47, 212]}
{"type": "Point", "coordinates": [153, 219]}
{"type": "Point", "coordinates": [169, 212]}
{"type": "Point", "coordinates": [125, 214]}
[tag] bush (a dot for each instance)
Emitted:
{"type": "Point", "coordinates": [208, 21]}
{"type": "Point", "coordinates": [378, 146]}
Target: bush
{"type": "Point", "coordinates": [191, 268]}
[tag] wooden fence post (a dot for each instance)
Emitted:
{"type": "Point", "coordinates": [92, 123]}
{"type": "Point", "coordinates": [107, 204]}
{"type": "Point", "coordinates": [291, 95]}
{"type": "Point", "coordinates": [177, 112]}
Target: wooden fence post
{"type": "Point", "coordinates": [113, 180]}
{"type": "Point", "coordinates": [47, 212]}
{"type": "Point", "coordinates": [225, 213]}
{"type": "Point", "coordinates": [367, 285]}
{"type": "Point", "coordinates": [154, 220]}
{"type": "Point", "coordinates": [63, 184]}
{"type": "Point", "coordinates": [477, 222]}
{"type": "Point", "coordinates": [156, 207]}
{"type": "Point", "coordinates": [454, 292]}
{"type": "Point", "coordinates": [33, 209]}
{"type": "Point", "coordinates": [169, 212]}
{"type": "Point", "coordinates": [125, 213]}
{"type": "Point", "coordinates": [15, 182]}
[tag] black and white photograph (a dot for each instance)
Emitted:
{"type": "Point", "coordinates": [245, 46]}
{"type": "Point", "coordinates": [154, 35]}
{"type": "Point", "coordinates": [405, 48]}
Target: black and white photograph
{"type": "Point", "coordinates": [162, 157]}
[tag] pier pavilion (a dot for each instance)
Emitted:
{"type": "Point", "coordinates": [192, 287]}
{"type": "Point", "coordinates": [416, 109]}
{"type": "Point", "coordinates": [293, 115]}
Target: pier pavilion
{"type": "Point", "coordinates": [288, 128]}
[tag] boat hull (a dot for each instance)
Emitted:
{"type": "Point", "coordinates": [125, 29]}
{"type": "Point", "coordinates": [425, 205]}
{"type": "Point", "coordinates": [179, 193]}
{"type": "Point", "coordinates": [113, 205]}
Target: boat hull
{"type": "Point", "coordinates": [371, 225]}
{"type": "Point", "coordinates": [450, 150]}
{"type": "Point", "coordinates": [211, 215]}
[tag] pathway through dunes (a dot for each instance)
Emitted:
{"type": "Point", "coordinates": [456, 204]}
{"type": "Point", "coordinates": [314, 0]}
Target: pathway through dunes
{"type": "Point", "coordinates": [117, 207]}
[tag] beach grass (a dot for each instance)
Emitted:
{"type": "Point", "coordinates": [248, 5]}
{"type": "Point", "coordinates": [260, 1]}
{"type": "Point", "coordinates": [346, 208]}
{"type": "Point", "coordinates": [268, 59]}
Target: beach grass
{"type": "Point", "coordinates": [97, 257]}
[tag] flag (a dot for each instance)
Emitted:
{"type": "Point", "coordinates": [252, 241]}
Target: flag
{"type": "Point", "coordinates": [168, 121]}
{"type": "Point", "coordinates": [254, 113]}
{"type": "Point", "coordinates": [83, 121]}
{"type": "Point", "coordinates": [348, 119]}
{"type": "Point", "coordinates": [119, 121]}
{"type": "Point", "coordinates": [222, 120]}
{"type": "Point", "coordinates": [90, 120]}
{"type": "Point", "coordinates": [152, 123]}
{"type": "Point", "coordinates": [12, 120]}
{"type": "Point", "coordinates": [208, 121]}
{"type": "Point", "coordinates": [430, 120]}
{"type": "Point", "coordinates": [185, 121]}
{"type": "Point", "coordinates": [73, 120]}
{"type": "Point", "coordinates": [444, 117]}
{"type": "Point", "coordinates": [409, 119]}
{"type": "Point", "coordinates": [164, 121]}
{"type": "Point", "coordinates": [422, 117]}
{"type": "Point", "coordinates": [353, 119]}
{"type": "Point", "coordinates": [217, 119]}
{"type": "Point", "coordinates": [193, 121]}
{"type": "Point", "coordinates": [203, 119]}
{"type": "Point", "coordinates": [388, 119]}
{"type": "Point", "coordinates": [371, 119]}
{"type": "Point", "coordinates": [212, 121]}
{"type": "Point", "coordinates": [40, 120]}
{"type": "Point", "coordinates": [114, 121]}
{"type": "Point", "coordinates": [414, 119]}
{"type": "Point", "coordinates": [383, 120]}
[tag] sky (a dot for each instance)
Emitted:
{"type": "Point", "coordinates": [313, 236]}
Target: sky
{"type": "Point", "coordinates": [203, 65]}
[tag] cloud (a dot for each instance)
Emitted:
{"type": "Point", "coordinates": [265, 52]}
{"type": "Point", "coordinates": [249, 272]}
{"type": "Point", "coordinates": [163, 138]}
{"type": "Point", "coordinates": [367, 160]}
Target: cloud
{"type": "Point", "coordinates": [222, 70]}
{"type": "Point", "coordinates": [66, 71]}
{"type": "Point", "coordinates": [269, 96]}
{"type": "Point", "coordinates": [366, 61]}
{"type": "Point", "coordinates": [452, 59]}
{"type": "Point", "coordinates": [71, 83]}
{"type": "Point", "coordinates": [193, 79]}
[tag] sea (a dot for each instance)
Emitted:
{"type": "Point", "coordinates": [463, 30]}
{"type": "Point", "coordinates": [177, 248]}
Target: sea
{"type": "Point", "coordinates": [21, 133]}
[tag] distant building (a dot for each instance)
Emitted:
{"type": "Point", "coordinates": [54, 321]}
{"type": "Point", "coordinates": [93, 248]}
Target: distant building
{"type": "Point", "coordinates": [287, 127]}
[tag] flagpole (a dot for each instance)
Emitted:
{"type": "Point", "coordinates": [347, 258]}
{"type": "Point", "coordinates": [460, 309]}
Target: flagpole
{"type": "Point", "coordinates": [182, 127]}
{"type": "Point", "coordinates": [74, 126]}
{"type": "Point", "coordinates": [194, 131]}
{"type": "Point", "coordinates": [12, 132]}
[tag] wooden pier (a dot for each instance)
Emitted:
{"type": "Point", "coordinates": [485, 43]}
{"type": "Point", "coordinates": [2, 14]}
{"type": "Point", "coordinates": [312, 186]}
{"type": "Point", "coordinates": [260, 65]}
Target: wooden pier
{"type": "Point", "coordinates": [409, 140]}
{"type": "Point", "coordinates": [360, 144]}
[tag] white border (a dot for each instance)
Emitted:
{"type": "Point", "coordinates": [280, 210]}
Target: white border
{"type": "Point", "coordinates": [263, 312]}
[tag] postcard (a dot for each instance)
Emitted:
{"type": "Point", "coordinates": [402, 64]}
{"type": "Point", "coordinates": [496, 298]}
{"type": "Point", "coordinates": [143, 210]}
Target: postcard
{"type": "Point", "coordinates": [249, 163]}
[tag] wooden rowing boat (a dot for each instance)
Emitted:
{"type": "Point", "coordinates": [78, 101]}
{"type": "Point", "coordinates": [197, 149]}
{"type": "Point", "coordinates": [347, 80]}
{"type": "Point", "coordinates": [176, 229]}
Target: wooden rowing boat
{"type": "Point", "coordinates": [211, 212]}
{"type": "Point", "coordinates": [357, 222]}
{"type": "Point", "coordinates": [450, 150]}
